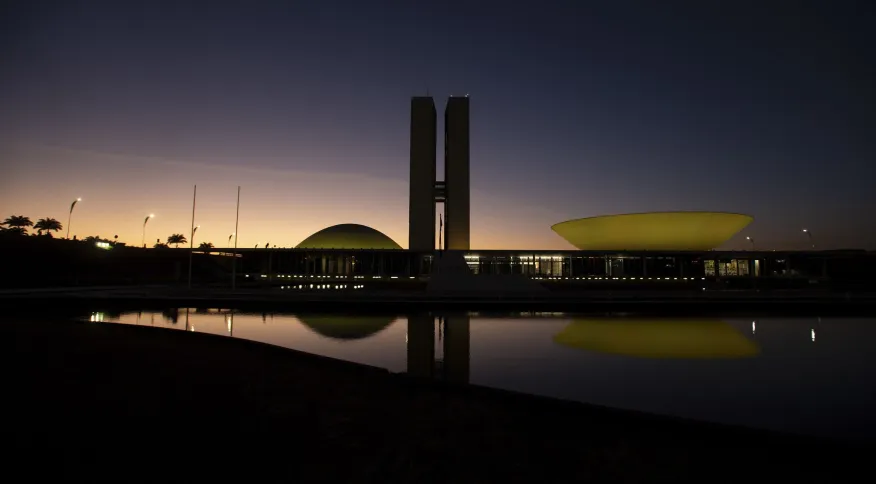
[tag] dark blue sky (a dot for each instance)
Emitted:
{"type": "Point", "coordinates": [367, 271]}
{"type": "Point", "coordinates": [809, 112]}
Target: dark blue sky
{"type": "Point", "coordinates": [578, 108]}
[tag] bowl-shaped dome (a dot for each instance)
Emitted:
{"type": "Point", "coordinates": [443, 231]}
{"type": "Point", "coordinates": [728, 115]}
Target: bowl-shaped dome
{"type": "Point", "coordinates": [344, 327]}
{"type": "Point", "coordinates": [656, 338]}
{"type": "Point", "coordinates": [653, 231]}
{"type": "Point", "coordinates": [348, 236]}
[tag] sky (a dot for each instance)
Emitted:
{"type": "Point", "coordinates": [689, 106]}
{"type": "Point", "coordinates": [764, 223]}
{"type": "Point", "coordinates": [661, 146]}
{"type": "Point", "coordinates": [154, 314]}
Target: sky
{"type": "Point", "coordinates": [578, 109]}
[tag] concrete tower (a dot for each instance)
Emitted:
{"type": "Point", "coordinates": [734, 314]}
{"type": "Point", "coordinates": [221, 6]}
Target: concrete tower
{"type": "Point", "coordinates": [421, 208]}
{"type": "Point", "coordinates": [456, 174]}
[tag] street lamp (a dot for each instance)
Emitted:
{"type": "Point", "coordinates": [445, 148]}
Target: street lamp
{"type": "Point", "coordinates": [194, 231]}
{"type": "Point", "coordinates": [151, 215]}
{"type": "Point", "coordinates": [229, 239]}
{"type": "Point", "coordinates": [809, 234]}
{"type": "Point", "coordinates": [752, 242]}
{"type": "Point", "coordinates": [70, 215]}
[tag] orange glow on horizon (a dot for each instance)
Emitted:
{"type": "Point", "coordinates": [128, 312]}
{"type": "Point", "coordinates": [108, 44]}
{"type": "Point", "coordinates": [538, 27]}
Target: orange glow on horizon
{"type": "Point", "coordinates": [280, 207]}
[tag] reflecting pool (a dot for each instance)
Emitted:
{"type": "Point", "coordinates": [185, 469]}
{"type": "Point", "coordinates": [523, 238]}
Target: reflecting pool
{"type": "Point", "coordinates": [809, 375]}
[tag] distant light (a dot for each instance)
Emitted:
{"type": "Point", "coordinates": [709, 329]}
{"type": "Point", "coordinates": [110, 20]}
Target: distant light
{"type": "Point", "coordinates": [79, 199]}
{"type": "Point", "coordinates": [813, 334]}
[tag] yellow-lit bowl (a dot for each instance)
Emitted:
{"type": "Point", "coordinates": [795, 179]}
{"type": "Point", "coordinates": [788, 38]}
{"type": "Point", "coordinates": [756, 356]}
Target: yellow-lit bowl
{"type": "Point", "coordinates": [653, 231]}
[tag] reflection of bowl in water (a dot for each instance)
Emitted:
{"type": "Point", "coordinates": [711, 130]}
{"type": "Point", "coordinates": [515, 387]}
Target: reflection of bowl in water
{"type": "Point", "coordinates": [344, 327]}
{"type": "Point", "coordinates": [655, 338]}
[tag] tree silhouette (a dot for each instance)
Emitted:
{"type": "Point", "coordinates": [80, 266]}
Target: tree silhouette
{"type": "Point", "coordinates": [18, 224]}
{"type": "Point", "coordinates": [92, 239]}
{"type": "Point", "coordinates": [206, 246]}
{"type": "Point", "coordinates": [176, 239]}
{"type": "Point", "coordinates": [48, 225]}
{"type": "Point", "coordinates": [13, 231]}
{"type": "Point", "coordinates": [159, 245]}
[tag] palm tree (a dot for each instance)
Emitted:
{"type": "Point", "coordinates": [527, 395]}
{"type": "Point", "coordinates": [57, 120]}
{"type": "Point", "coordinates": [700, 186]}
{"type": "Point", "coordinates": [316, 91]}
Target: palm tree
{"type": "Point", "coordinates": [18, 224]}
{"type": "Point", "coordinates": [176, 239]}
{"type": "Point", "coordinates": [13, 231]}
{"type": "Point", "coordinates": [49, 225]}
{"type": "Point", "coordinates": [206, 246]}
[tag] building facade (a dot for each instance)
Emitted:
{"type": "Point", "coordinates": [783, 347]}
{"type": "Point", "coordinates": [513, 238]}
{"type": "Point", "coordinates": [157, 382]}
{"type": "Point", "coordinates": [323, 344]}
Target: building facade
{"type": "Point", "coordinates": [425, 191]}
{"type": "Point", "coordinates": [457, 232]}
{"type": "Point", "coordinates": [421, 203]}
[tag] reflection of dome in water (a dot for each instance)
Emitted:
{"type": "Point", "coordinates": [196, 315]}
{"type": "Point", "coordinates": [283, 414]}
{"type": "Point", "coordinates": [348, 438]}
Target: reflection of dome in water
{"type": "Point", "coordinates": [655, 338]}
{"type": "Point", "coordinates": [346, 327]}
{"type": "Point", "coordinates": [348, 236]}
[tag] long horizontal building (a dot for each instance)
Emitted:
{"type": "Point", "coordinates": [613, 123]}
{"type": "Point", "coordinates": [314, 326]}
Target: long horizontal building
{"type": "Point", "coordinates": [574, 268]}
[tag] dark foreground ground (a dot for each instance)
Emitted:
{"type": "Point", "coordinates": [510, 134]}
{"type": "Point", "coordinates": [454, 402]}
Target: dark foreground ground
{"type": "Point", "coordinates": [100, 401]}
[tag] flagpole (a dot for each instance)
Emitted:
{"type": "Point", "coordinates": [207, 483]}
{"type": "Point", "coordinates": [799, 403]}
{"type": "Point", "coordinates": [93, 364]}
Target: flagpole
{"type": "Point", "coordinates": [192, 235]}
{"type": "Point", "coordinates": [234, 252]}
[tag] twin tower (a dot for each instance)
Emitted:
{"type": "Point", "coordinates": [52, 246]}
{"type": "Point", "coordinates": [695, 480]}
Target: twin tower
{"type": "Point", "coordinates": [426, 191]}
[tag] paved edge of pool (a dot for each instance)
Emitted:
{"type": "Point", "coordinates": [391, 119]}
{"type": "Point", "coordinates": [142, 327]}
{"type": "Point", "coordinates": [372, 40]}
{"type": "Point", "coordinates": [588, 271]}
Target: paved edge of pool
{"type": "Point", "coordinates": [140, 297]}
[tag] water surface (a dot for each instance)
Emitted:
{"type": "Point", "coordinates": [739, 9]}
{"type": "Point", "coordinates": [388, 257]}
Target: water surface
{"type": "Point", "coordinates": [810, 375]}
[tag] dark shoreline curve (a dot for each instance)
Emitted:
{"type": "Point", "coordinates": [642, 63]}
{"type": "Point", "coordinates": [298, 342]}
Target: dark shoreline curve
{"type": "Point", "coordinates": [110, 401]}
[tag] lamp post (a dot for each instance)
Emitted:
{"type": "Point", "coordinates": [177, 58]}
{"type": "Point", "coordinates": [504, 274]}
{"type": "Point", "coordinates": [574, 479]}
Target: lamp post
{"type": "Point", "coordinates": [151, 215]}
{"type": "Point", "coordinates": [809, 234]}
{"type": "Point", "coordinates": [229, 239]}
{"type": "Point", "coordinates": [70, 215]}
{"type": "Point", "coordinates": [752, 242]}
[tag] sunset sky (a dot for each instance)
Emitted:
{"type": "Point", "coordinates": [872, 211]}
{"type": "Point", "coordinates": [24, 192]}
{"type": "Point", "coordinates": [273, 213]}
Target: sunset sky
{"type": "Point", "coordinates": [577, 109]}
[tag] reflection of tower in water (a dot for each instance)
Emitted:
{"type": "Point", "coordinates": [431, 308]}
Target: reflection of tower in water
{"type": "Point", "coordinates": [453, 336]}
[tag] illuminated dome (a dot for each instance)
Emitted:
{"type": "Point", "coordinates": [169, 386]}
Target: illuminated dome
{"type": "Point", "coordinates": [655, 338]}
{"type": "Point", "coordinates": [348, 236]}
{"type": "Point", "coordinates": [345, 327]}
{"type": "Point", "coordinates": [653, 231]}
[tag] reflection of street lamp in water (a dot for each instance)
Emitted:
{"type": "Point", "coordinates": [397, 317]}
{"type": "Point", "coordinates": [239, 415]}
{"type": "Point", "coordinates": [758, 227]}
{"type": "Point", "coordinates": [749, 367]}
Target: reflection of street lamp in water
{"type": "Point", "coordinates": [144, 228]}
{"type": "Point", "coordinates": [70, 215]}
